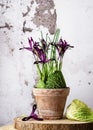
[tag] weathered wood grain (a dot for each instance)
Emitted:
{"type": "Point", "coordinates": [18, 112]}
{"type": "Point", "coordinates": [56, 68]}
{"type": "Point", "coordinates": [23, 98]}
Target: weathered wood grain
{"type": "Point", "coordinates": [63, 124]}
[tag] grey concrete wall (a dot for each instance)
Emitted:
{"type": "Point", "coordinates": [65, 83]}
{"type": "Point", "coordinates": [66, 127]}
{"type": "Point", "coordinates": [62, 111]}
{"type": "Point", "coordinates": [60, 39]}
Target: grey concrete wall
{"type": "Point", "coordinates": [20, 19]}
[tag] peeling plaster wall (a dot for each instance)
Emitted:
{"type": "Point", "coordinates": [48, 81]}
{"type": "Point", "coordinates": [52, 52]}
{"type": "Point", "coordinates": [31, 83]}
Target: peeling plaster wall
{"type": "Point", "coordinates": [45, 15]}
{"type": "Point", "coordinates": [20, 19]}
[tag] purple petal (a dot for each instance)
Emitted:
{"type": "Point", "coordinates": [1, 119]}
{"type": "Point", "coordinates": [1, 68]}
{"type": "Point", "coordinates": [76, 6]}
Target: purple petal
{"type": "Point", "coordinates": [30, 42]}
{"type": "Point", "coordinates": [26, 118]}
{"type": "Point", "coordinates": [33, 109]}
{"type": "Point", "coordinates": [44, 44]}
{"type": "Point", "coordinates": [37, 62]}
{"type": "Point", "coordinates": [37, 118]}
{"type": "Point", "coordinates": [32, 115]}
{"type": "Point", "coordinates": [27, 48]}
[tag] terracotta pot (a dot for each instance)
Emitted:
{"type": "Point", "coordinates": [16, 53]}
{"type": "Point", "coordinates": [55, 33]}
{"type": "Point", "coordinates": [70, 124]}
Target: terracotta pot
{"type": "Point", "coordinates": [51, 102]}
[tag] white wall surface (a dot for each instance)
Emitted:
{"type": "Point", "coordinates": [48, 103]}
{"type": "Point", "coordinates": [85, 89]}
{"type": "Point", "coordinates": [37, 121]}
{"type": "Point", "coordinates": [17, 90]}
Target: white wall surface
{"type": "Point", "coordinates": [17, 72]}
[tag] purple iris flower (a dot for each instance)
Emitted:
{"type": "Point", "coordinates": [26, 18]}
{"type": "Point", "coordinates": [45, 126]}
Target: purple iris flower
{"type": "Point", "coordinates": [42, 57]}
{"type": "Point", "coordinates": [44, 45]}
{"type": "Point", "coordinates": [37, 50]}
{"type": "Point", "coordinates": [32, 115]}
{"type": "Point", "coordinates": [32, 47]}
{"type": "Point", "coordinates": [41, 53]}
{"type": "Point", "coordinates": [62, 46]}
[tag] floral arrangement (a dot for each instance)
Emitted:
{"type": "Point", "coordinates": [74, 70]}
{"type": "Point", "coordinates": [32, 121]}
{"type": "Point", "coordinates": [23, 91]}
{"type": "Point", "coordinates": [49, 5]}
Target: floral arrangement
{"type": "Point", "coordinates": [48, 56]}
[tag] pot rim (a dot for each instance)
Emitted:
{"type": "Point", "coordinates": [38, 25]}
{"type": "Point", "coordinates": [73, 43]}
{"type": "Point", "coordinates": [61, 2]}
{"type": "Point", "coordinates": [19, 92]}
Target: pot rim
{"type": "Point", "coordinates": [59, 89]}
{"type": "Point", "coordinates": [51, 92]}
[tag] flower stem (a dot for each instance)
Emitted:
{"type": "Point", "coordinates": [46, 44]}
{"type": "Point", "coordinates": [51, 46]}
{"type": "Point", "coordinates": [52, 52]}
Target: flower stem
{"type": "Point", "coordinates": [60, 65]}
{"type": "Point", "coordinates": [39, 71]}
{"type": "Point", "coordinates": [55, 40]}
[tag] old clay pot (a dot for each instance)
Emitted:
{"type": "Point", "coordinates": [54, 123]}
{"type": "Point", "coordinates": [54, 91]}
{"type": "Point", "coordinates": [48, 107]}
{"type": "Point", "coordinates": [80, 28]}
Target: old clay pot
{"type": "Point", "coordinates": [51, 102]}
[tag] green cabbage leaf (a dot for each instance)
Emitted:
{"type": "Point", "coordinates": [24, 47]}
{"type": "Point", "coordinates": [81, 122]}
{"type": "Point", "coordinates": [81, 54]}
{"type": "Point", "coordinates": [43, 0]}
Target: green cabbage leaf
{"type": "Point", "coordinates": [79, 111]}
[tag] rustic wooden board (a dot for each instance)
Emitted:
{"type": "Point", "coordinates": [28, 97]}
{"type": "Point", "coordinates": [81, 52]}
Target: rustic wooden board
{"type": "Point", "coordinates": [63, 124]}
{"type": "Point", "coordinates": [8, 127]}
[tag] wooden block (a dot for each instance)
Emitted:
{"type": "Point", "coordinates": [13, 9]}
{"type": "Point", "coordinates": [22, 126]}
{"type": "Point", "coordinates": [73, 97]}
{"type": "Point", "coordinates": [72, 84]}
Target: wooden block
{"type": "Point", "coordinates": [8, 127]}
{"type": "Point", "coordinates": [63, 124]}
